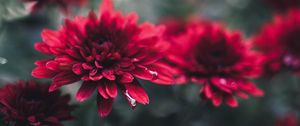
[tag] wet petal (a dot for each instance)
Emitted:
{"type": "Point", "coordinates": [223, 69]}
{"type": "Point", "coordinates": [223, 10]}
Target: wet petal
{"type": "Point", "coordinates": [144, 73]}
{"type": "Point", "coordinates": [137, 92]}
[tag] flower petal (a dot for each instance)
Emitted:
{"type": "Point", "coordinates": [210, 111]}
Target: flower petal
{"type": "Point", "coordinates": [63, 78]}
{"type": "Point", "coordinates": [109, 74]}
{"type": "Point", "coordinates": [144, 73]}
{"type": "Point", "coordinates": [77, 69]}
{"type": "Point", "coordinates": [102, 90]}
{"type": "Point", "coordinates": [126, 78]}
{"type": "Point", "coordinates": [217, 99]}
{"type": "Point", "coordinates": [85, 91]}
{"type": "Point", "coordinates": [104, 105]}
{"type": "Point", "coordinates": [111, 89]}
{"type": "Point", "coordinates": [43, 72]}
{"type": "Point", "coordinates": [231, 101]}
{"type": "Point", "coordinates": [137, 92]}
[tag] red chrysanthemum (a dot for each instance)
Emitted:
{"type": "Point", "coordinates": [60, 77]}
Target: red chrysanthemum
{"type": "Point", "coordinates": [280, 42]}
{"type": "Point", "coordinates": [206, 53]}
{"type": "Point", "coordinates": [30, 104]}
{"type": "Point", "coordinates": [288, 120]}
{"type": "Point", "coordinates": [62, 4]}
{"type": "Point", "coordinates": [106, 53]}
{"type": "Point", "coordinates": [283, 5]}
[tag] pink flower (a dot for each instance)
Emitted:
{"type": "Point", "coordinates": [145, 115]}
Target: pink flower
{"type": "Point", "coordinates": [219, 59]}
{"type": "Point", "coordinates": [106, 53]}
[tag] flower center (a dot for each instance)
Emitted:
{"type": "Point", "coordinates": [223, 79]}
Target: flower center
{"type": "Point", "coordinates": [103, 60]}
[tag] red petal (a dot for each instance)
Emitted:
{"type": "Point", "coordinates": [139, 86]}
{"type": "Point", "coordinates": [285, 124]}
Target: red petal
{"type": "Point", "coordinates": [106, 5]}
{"type": "Point", "coordinates": [63, 78]}
{"type": "Point", "coordinates": [43, 72]}
{"type": "Point", "coordinates": [150, 59]}
{"type": "Point", "coordinates": [137, 92]}
{"type": "Point", "coordinates": [102, 91]}
{"type": "Point", "coordinates": [126, 78]}
{"type": "Point", "coordinates": [73, 53]}
{"type": "Point", "coordinates": [144, 73]}
{"type": "Point", "coordinates": [221, 84]}
{"type": "Point", "coordinates": [41, 62]}
{"type": "Point", "coordinates": [104, 106]}
{"type": "Point", "coordinates": [165, 73]}
{"type": "Point", "coordinates": [129, 99]}
{"type": "Point", "coordinates": [42, 47]}
{"type": "Point", "coordinates": [217, 100]}
{"type": "Point", "coordinates": [207, 91]}
{"type": "Point", "coordinates": [51, 38]}
{"type": "Point", "coordinates": [85, 91]}
{"type": "Point", "coordinates": [77, 69]}
{"type": "Point", "coordinates": [231, 101]}
{"type": "Point", "coordinates": [109, 74]}
{"type": "Point", "coordinates": [52, 65]}
{"type": "Point", "coordinates": [242, 95]}
{"type": "Point", "coordinates": [111, 89]}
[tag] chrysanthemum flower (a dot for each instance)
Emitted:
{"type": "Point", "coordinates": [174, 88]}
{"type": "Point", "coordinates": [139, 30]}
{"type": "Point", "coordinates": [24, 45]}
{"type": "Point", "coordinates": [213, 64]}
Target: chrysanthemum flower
{"type": "Point", "coordinates": [30, 104]}
{"type": "Point", "coordinates": [64, 5]}
{"type": "Point", "coordinates": [283, 5]}
{"type": "Point", "coordinates": [106, 53]}
{"type": "Point", "coordinates": [288, 120]}
{"type": "Point", "coordinates": [209, 54]}
{"type": "Point", "coordinates": [280, 42]}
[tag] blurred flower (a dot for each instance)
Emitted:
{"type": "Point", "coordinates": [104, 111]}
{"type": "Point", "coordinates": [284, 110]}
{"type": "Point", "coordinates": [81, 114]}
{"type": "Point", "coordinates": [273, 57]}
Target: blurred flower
{"type": "Point", "coordinates": [36, 5]}
{"type": "Point", "coordinates": [206, 53]}
{"type": "Point", "coordinates": [279, 41]}
{"type": "Point", "coordinates": [283, 5]}
{"type": "Point", "coordinates": [288, 120]}
{"type": "Point", "coordinates": [105, 53]}
{"type": "Point", "coordinates": [30, 104]}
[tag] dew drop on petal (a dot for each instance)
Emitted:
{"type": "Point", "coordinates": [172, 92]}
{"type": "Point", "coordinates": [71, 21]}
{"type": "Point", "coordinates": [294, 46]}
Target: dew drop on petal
{"type": "Point", "coordinates": [223, 81]}
{"type": "Point", "coordinates": [131, 101]}
{"type": "Point", "coordinates": [154, 73]}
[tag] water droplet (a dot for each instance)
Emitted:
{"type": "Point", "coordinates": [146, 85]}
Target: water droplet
{"type": "Point", "coordinates": [154, 73]}
{"type": "Point", "coordinates": [3, 60]}
{"type": "Point", "coordinates": [130, 100]}
{"type": "Point", "coordinates": [223, 81]}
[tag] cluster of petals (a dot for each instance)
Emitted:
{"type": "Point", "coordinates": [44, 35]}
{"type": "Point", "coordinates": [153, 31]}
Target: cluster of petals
{"type": "Point", "coordinates": [30, 104]}
{"type": "Point", "coordinates": [279, 41]}
{"type": "Point", "coordinates": [105, 53]}
{"type": "Point", "coordinates": [64, 5]}
{"type": "Point", "coordinates": [205, 52]}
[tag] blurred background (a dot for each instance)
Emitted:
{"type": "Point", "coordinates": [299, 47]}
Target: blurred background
{"type": "Point", "coordinates": [178, 105]}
